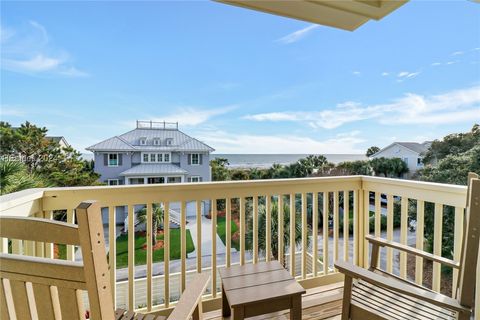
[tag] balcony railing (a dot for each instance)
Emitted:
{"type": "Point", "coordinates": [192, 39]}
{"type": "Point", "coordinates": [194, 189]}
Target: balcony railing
{"type": "Point", "coordinates": [308, 253]}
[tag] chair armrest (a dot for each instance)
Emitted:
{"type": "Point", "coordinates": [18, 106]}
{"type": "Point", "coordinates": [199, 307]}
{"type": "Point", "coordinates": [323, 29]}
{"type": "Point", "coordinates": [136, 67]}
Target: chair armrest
{"type": "Point", "coordinates": [395, 245]}
{"type": "Point", "coordinates": [437, 299]}
{"type": "Point", "coordinates": [190, 298]}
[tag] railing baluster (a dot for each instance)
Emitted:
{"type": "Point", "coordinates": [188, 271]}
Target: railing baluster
{"type": "Point", "coordinates": [346, 224]}
{"type": "Point", "coordinates": [356, 228]}
{"type": "Point", "coordinates": [280, 231]}
{"type": "Point", "coordinates": [335, 225]}
{"type": "Point", "coordinates": [48, 246]}
{"type": "Point", "coordinates": [437, 245]}
{"type": "Point", "coordinates": [150, 233]}
{"type": "Point", "coordinates": [131, 257]}
{"type": "Point", "coordinates": [315, 233]}
{"type": "Point", "coordinates": [112, 251]}
{"type": "Point", "coordinates": [183, 245]}
{"type": "Point", "coordinates": [366, 226]}
{"type": "Point", "coordinates": [457, 246]}
{"type": "Point", "coordinates": [241, 205]}
{"type": "Point", "coordinates": [325, 233]}
{"type": "Point", "coordinates": [166, 252]}
{"type": "Point", "coordinates": [255, 229]}
{"type": "Point", "coordinates": [268, 228]}
{"type": "Point", "coordinates": [3, 245]}
{"type": "Point", "coordinates": [403, 236]}
{"type": "Point", "coordinates": [378, 217]}
{"type": "Point", "coordinates": [389, 232]}
{"type": "Point", "coordinates": [214, 247]}
{"type": "Point", "coordinates": [292, 234]}
{"type": "Point", "coordinates": [198, 248]}
{"type": "Point", "coordinates": [228, 231]}
{"type": "Point", "coordinates": [419, 240]}
{"type": "Point", "coordinates": [71, 249]}
{"type": "Point", "coordinates": [304, 236]}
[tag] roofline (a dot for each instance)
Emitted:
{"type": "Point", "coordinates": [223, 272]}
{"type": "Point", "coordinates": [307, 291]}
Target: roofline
{"type": "Point", "coordinates": [392, 144]}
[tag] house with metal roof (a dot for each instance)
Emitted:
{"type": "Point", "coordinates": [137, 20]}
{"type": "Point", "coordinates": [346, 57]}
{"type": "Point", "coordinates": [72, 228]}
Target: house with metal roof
{"type": "Point", "coordinates": [153, 152]}
{"type": "Point", "coordinates": [411, 153]}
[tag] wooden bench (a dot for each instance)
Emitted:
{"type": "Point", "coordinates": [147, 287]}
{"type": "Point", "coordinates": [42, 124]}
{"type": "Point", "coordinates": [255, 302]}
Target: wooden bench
{"type": "Point", "coordinates": [44, 288]}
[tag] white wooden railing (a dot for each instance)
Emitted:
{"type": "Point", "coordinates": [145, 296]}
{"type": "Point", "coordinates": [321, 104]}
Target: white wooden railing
{"type": "Point", "coordinates": [157, 286]}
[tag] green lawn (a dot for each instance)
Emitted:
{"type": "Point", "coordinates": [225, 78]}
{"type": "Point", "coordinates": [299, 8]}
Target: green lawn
{"type": "Point", "coordinates": [221, 230]}
{"type": "Point", "coordinates": [141, 254]}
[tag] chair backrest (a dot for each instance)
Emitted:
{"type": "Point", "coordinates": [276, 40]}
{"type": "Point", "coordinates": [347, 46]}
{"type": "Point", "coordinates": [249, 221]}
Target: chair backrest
{"type": "Point", "coordinates": [43, 288]}
{"type": "Point", "coordinates": [470, 245]}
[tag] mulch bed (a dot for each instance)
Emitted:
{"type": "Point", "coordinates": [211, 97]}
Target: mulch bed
{"type": "Point", "coordinates": [445, 280]}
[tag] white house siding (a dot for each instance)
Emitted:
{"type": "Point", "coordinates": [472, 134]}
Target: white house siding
{"type": "Point", "coordinates": [399, 151]}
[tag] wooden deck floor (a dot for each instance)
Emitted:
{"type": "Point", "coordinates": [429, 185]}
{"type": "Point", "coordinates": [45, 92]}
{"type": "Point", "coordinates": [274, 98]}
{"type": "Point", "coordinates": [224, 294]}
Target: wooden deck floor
{"type": "Point", "coordinates": [318, 303]}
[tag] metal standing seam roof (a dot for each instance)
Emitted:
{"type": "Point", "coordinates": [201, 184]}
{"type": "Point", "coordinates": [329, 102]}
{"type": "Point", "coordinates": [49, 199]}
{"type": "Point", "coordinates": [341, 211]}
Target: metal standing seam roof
{"type": "Point", "coordinates": [419, 148]}
{"type": "Point", "coordinates": [130, 141]}
{"type": "Point", "coordinates": [153, 168]}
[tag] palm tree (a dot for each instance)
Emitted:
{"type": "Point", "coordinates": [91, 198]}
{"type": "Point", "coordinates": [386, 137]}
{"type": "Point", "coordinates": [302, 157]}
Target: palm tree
{"type": "Point", "coordinates": [157, 219]}
{"type": "Point", "coordinates": [15, 177]}
{"type": "Point", "coordinates": [274, 229]}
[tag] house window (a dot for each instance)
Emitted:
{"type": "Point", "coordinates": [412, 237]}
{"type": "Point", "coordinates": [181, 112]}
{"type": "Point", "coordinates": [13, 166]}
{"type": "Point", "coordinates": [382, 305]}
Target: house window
{"type": "Point", "coordinates": [169, 141]}
{"type": "Point", "coordinates": [419, 162]}
{"type": "Point", "coordinates": [113, 159]}
{"type": "Point", "coordinates": [194, 159]}
{"type": "Point", "coordinates": [112, 182]}
{"type": "Point", "coordinates": [143, 141]}
{"type": "Point", "coordinates": [405, 160]}
{"type": "Point", "coordinates": [156, 141]}
{"type": "Point", "coordinates": [195, 179]}
{"type": "Point", "coordinates": [160, 157]}
{"type": "Point", "coordinates": [153, 157]}
{"type": "Point", "coordinates": [145, 157]}
{"type": "Point", "coordinates": [148, 157]}
{"type": "Point", "coordinates": [166, 157]}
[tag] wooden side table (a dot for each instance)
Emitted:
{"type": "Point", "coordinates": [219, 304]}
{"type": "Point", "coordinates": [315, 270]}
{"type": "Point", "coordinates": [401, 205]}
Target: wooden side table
{"type": "Point", "coordinates": [261, 288]}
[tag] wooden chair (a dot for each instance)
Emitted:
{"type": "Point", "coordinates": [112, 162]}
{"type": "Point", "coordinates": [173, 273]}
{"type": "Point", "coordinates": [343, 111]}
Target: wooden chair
{"type": "Point", "coordinates": [43, 288]}
{"type": "Point", "coordinates": [375, 294]}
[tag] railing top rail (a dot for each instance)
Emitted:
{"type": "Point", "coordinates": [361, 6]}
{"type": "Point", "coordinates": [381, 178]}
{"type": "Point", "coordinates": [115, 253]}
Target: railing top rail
{"type": "Point", "coordinates": [19, 198]}
{"type": "Point", "coordinates": [431, 186]}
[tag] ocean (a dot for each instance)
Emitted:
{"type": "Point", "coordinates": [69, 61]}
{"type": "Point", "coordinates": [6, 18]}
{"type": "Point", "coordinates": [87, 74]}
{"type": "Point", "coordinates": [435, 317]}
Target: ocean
{"type": "Point", "coordinates": [267, 160]}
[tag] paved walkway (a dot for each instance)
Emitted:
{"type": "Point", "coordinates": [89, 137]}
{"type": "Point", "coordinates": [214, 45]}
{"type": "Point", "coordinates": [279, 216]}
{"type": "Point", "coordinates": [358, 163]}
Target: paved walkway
{"type": "Point", "coordinates": [206, 237]}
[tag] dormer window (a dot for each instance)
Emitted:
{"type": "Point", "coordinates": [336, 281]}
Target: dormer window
{"type": "Point", "coordinates": [169, 141]}
{"type": "Point", "coordinates": [143, 141]}
{"type": "Point", "coordinates": [156, 142]}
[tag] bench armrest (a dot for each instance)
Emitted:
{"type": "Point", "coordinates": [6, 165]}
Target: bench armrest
{"type": "Point", "coordinates": [437, 299]}
{"type": "Point", "coordinates": [190, 298]}
{"type": "Point", "coordinates": [402, 247]}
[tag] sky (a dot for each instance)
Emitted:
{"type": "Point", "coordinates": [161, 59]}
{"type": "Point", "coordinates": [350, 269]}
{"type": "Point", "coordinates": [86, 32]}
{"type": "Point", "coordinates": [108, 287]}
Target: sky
{"type": "Point", "coordinates": [241, 81]}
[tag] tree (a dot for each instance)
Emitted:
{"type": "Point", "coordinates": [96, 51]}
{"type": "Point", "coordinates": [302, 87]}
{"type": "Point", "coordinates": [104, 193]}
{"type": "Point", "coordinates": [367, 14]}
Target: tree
{"type": "Point", "coordinates": [358, 167]}
{"type": "Point", "coordinates": [274, 229]}
{"type": "Point", "coordinates": [220, 171]}
{"type": "Point", "coordinates": [372, 150]}
{"type": "Point", "coordinates": [393, 167]}
{"type": "Point", "coordinates": [157, 219]}
{"type": "Point", "coordinates": [15, 177]}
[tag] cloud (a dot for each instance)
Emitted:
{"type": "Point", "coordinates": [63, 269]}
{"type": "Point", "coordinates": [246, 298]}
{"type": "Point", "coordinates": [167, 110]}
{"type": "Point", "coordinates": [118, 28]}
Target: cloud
{"type": "Point", "coordinates": [435, 64]}
{"type": "Point", "coordinates": [297, 35]}
{"type": "Point", "coordinates": [192, 116]}
{"type": "Point", "coordinates": [28, 50]}
{"type": "Point", "coordinates": [356, 73]}
{"type": "Point", "coordinates": [226, 142]}
{"type": "Point", "coordinates": [457, 53]}
{"type": "Point", "coordinates": [12, 111]}
{"type": "Point", "coordinates": [406, 74]}
{"type": "Point", "coordinates": [384, 74]}
{"type": "Point", "coordinates": [451, 107]}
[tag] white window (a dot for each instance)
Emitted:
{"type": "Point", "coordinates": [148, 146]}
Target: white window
{"type": "Point", "coordinates": [194, 159]}
{"type": "Point", "coordinates": [195, 179]}
{"type": "Point", "coordinates": [405, 160]}
{"type": "Point", "coordinates": [113, 182]}
{"type": "Point", "coordinates": [156, 141]}
{"type": "Point", "coordinates": [149, 157]}
{"type": "Point", "coordinates": [419, 162]}
{"type": "Point", "coordinates": [143, 141]}
{"type": "Point", "coordinates": [169, 141]}
{"type": "Point", "coordinates": [113, 159]}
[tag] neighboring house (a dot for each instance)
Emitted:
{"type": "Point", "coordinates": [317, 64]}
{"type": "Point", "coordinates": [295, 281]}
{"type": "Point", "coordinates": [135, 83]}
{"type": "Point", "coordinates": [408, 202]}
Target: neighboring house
{"type": "Point", "coordinates": [410, 152]}
{"type": "Point", "coordinates": [60, 140]}
{"type": "Point", "coordinates": [154, 152]}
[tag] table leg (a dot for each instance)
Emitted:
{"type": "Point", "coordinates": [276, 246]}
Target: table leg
{"type": "Point", "coordinates": [296, 310]}
{"type": "Point", "coordinates": [225, 306]}
{"type": "Point", "coordinates": [239, 313]}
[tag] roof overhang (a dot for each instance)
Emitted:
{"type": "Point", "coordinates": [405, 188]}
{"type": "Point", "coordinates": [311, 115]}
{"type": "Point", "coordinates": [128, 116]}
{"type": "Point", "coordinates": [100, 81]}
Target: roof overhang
{"type": "Point", "coordinates": [342, 14]}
